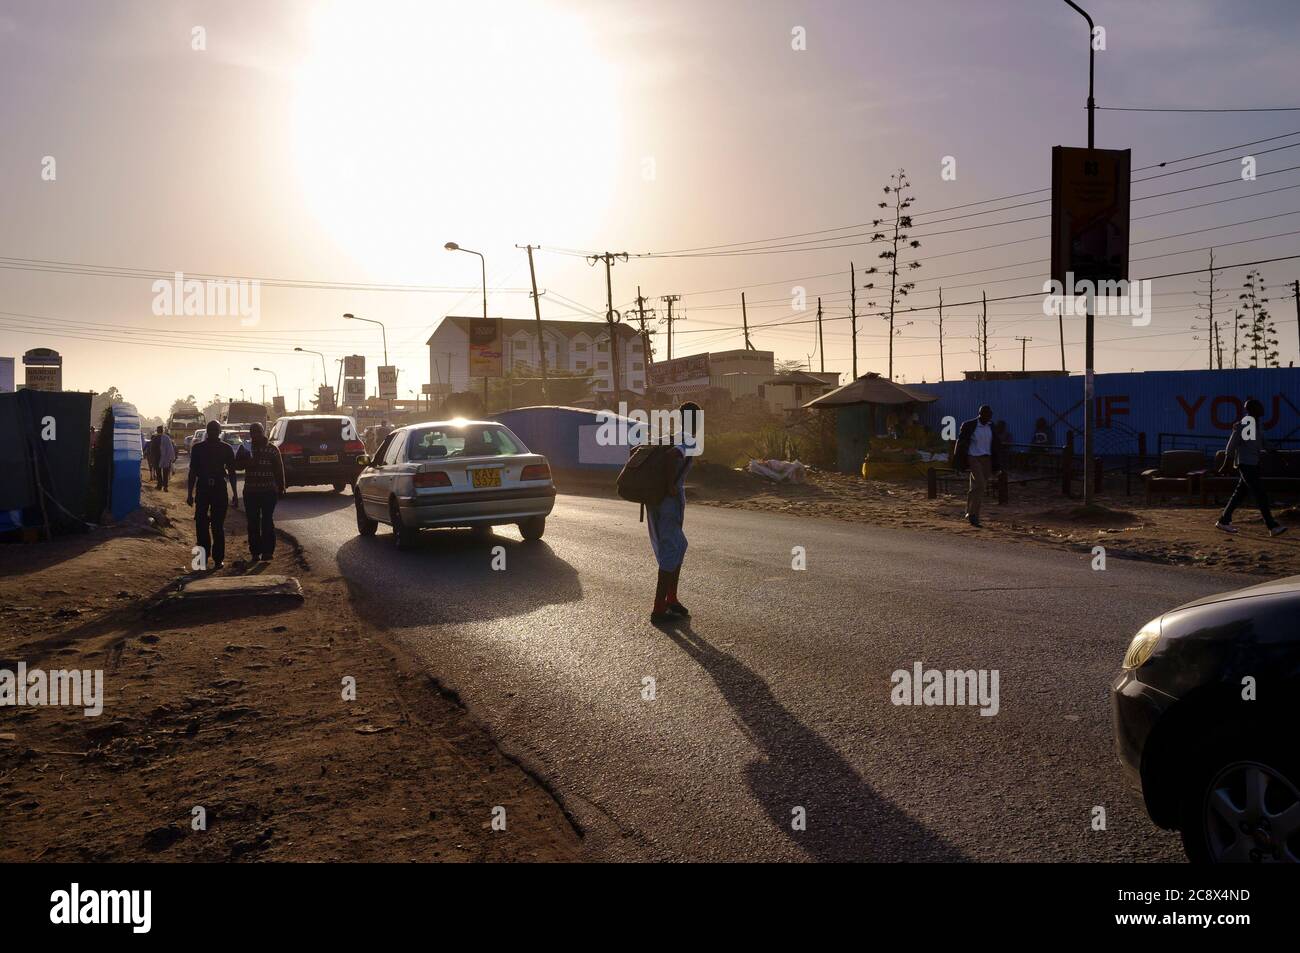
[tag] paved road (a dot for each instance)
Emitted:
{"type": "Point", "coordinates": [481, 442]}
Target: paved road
{"type": "Point", "coordinates": [776, 696]}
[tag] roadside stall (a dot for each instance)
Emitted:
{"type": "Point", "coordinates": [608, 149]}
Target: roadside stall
{"type": "Point", "coordinates": [879, 430]}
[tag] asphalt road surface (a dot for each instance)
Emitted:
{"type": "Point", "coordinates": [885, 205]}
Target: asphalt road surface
{"type": "Point", "coordinates": [774, 703]}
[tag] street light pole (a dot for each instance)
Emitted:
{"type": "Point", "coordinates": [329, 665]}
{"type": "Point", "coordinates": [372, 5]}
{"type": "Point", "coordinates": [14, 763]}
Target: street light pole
{"type": "Point", "coordinates": [1089, 411]}
{"type": "Point", "coordinates": [273, 375]}
{"type": "Point", "coordinates": [384, 331]}
{"type": "Point", "coordinates": [452, 246]}
{"type": "Point", "coordinates": [324, 374]}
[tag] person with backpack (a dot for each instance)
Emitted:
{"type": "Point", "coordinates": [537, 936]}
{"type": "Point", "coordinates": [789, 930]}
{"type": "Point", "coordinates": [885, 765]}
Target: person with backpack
{"type": "Point", "coordinates": [1245, 452]}
{"type": "Point", "coordinates": [655, 476]}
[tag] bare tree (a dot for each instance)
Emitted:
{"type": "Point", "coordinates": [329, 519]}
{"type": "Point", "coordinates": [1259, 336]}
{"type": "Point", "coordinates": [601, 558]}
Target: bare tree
{"type": "Point", "coordinates": [1261, 332]}
{"type": "Point", "coordinates": [899, 241]}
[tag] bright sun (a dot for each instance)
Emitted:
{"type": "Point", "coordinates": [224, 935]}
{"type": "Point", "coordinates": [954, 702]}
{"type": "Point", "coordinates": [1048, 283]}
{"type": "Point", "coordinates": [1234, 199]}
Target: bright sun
{"type": "Point", "coordinates": [425, 121]}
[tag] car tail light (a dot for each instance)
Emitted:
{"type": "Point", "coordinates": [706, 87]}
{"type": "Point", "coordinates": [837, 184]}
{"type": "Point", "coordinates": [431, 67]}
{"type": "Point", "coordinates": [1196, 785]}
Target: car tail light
{"type": "Point", "coordinates": [536, 471]}
{"type": "Point", "coordinates": [432, 478]}
{"type": "Point", "coordinates": [290, 449]}
{"type": "Point", "coordinates": [354, 446]}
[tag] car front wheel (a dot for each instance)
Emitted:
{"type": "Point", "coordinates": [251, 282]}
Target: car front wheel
{"type": "Point", "coordinates": [533, 528]}
{"type": "Point", "coordinates": [1243, 807]}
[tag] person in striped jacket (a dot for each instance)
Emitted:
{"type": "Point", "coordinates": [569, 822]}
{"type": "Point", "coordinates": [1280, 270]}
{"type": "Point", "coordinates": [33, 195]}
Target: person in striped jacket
{"type": "Point", "coordinates": [263, 485]}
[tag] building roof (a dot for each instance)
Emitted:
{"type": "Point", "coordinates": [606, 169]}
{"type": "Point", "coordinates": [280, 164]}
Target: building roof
{"type": "Point", "coordinates": [797, 377]}
{"type": "Point", "coordinates": [871, 388]}
{"type": "Point", "coordinates": [567, 328]}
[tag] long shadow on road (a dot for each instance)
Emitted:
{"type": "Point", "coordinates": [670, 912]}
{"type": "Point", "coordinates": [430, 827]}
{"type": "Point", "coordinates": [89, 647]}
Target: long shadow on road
{"type": "Point", "coordinates": [846, 819]}
{"type": "Point", "coordinates": [449, 577]}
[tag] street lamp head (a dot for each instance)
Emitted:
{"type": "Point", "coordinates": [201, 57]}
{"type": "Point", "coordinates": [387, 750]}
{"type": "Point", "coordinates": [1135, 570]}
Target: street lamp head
{"type": "Point", "coordinates": [451, 246]}
{"type": "Point", "coordinates": [257, 368]}
{"type": "Point", "coordinates": [350, 317]}
{"type": "Point", "coordinates": [297, 349]}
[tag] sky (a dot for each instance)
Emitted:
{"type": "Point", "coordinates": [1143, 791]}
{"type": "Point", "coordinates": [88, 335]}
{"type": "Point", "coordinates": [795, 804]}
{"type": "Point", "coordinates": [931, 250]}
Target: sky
{"type": "Point", "coordinates": [331, 149]}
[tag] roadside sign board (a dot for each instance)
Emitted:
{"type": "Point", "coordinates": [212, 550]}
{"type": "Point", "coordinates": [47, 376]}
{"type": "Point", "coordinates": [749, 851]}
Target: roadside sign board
{"type": "Point", "coordinates": [1090, 214]}
{"type": "Point", "coordinates": [428, 389]}
{"type": "Point", "coordinates": [277, 404]}
{"type": "Point", "coordinates": [44, 378]}
{"type": "Point", "coordinates": [388, 382]}
{"type": "Point", "coordinates": [354, 365]}
{"type": "Point", "coordinates": [325, 400]}
{"type": "Point", "coordinates": [6, 375]}
{"type": "Point", "coordinates": [354, 392]}
{"type": "Point", "coordinates": [485, 347]}
{"type": "Point", "coordinates": [681, 375]}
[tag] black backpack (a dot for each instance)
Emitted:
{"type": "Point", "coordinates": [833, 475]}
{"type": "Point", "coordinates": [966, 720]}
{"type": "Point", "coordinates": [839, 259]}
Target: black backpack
{"type": "Point", "coordinates": [642, 478]}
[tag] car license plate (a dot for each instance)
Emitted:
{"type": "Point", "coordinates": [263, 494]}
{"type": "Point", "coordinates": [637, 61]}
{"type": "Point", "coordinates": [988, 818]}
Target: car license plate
{"type": "Point", "coordinates": [330, 458]}
{"type": "Point", "coordinates": [484, 478]}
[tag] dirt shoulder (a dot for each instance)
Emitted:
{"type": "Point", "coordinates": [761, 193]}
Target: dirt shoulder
{"type": "Point", "coordinates": [1174, 533]}
{"type": "Point", "coordinates": [239, 712]}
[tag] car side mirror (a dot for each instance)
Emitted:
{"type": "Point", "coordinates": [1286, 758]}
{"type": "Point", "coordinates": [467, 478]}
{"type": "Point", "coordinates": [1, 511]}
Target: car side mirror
{"type": "Point", "coordinates": [364, 460]}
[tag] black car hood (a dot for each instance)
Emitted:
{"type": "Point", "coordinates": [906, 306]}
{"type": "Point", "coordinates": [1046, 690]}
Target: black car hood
{"type": "Point", "coordinates": [1288, 585]}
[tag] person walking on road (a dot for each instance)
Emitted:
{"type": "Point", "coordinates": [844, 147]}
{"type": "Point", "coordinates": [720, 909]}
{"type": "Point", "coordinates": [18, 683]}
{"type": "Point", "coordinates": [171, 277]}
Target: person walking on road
{"type": "Point", "coordinates": [667, 538]}
{"type": "Point", "coordinates": [164, 452]}
{"type": "Point", "coordinates": [979, 449]}
{"type": "Point", "coordinates": [151, 454]}
{"type": "Point", "coordinates": [212, 463]}
{"type": "Point", "coordinates": [263, 485]}
{"type": "Point", "coordinates": [1245, 452]}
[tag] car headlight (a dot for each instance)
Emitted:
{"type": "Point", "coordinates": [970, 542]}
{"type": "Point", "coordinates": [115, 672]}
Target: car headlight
{"type": "Point", "coordinates": [1143, 644]}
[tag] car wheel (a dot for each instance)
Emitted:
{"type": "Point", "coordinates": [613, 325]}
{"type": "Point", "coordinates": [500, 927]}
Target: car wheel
{"type": "Point", "coordinates": [338, 487]}
{"type": "Point", "coordinates": [533, 528]}
{"type": "Point", "coordinates": [365, 525]}
{"type": "Point", "coordinates": [1243, 806]}
{"type": "Point", "coordinates": [404, 536]}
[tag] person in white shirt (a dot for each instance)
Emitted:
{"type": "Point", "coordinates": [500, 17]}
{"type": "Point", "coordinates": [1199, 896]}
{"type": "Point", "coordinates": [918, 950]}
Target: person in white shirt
{"type": "Point", "coordinates": [979, 450]}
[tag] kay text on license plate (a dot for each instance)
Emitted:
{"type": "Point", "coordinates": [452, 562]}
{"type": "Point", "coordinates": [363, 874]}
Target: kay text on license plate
{"type": "Point", "coordinates": [486, 477]}
{"type": "Point", "coordinates": [329, 458]}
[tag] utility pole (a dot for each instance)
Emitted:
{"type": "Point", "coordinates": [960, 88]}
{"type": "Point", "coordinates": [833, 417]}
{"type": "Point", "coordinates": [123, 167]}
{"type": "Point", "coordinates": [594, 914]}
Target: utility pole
{"type": "Point", "coordinates": [645, 332]}
{"type": "Point", "coordinates": [853, 321]}
{"type": "Point", "coordinates": [670, 299]}
{"type": "Point", "coordinates": [744, 320]}
{"type": "Point", "coordinates": [1295, 288]}
{"type": "Point", "coordinates": [1089, 411]}
{"type": "Point", "coordinates": [612, 317]}
{"type": "Point", "coordinates": [537, 312]}
{"type": "Point", "coordinates": [821, 343]}
{"type": "Point", "coordinates": [1236, 320]}
{"type": "Point", "coordinates": [855, 347]}
{"type": "Point", "coordinates": [1023, 342]}
{"type": "Point", "coordinates": [1060, 325]}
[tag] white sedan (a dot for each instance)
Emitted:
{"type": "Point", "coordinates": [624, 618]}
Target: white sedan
{"type": "Point", "coordinates": [453, 473]}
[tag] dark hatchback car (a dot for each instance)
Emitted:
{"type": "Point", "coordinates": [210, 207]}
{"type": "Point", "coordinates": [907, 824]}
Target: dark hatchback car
{"type": "Point", "coordinates": [1206, 715]}
{"type": "Point", "coordinates": [319, 449]}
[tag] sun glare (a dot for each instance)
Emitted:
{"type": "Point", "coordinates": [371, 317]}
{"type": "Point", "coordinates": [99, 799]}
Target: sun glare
{"type": "Point", "coordinates": [415, 121]}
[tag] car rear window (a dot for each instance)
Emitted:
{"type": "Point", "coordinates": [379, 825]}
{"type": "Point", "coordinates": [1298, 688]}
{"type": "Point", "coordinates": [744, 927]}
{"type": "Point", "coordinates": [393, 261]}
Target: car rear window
{"type": "Point", "coordinates": [436, 442]}
{"type": "Point", "coordinates": [316, 430]}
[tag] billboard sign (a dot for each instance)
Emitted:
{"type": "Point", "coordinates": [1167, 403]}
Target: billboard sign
{"type": "Point", "coordinates": [325, 400]}
{"type": "Point", "coordinates": [388, 382]}
{"type": "Point", "coordinates": [354, 392]}
{"type": "Point", "coordinates": [681, 375]}
{"type": "Point", "coordinates": [6, 375]}
{"type": "Point", "coordinates": [44, 378]}
{"type": "Point", "coordinates": [484, 347]}
{"type": "Point", "coordinates": [354, 365]}
{"type": "Point", "coordinates": [277, 404]}
{"type": "Point", "coordinates": [1090, 215]}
